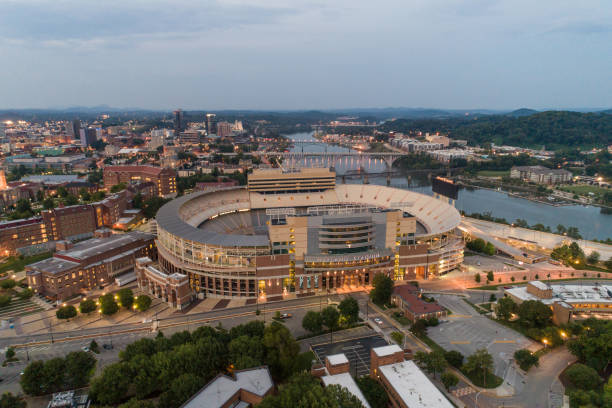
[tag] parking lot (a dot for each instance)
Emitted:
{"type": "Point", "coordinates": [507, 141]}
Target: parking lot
{"type": "Point", "coordinates": [466, 331]}
{"type": "Point", "coordinates": [357, 351]}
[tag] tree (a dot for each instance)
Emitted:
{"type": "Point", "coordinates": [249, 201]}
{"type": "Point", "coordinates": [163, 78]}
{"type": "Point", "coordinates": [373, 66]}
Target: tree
{"type": "Point", "coordinates": [419, 327]}
{"type": "Point", "coordinates": [349, 309]}
{"type": "Point", "coordinates": [454, 358]}
{"type": "Point", "coordinates": [181, 389]}
{"type": "Point", "coordinates": [8, 400]}
{"type": "Point", "coordinates": [79, 367]}
{"type": "Point", "coordinates": [489, 249]}
{"type": "Point", "coordinates": [329, 317]}
{"type": "Point", "coordinates": [505, 308]}
{"type": "Point", "coordinates": [480, 361]}
{"type": "Point", "coordinates": [398, 337]}
{"type": "Point", "coordinates": [33, 379]}
{"type": "Point", "coordinates": [25, 294]}
{"type": "Point", "coordinates": [8, 284]}
{"type": "Point", "coordinates": [304, 391]}
{"type": "Point", "coordinates": [533, 313]}
{"type": "Point", "coordinates": [112, 386]}
{"type": "Point", "coordinates": [593, 258]}
{"type": "Point", "coordinates": [477, 278]}
{"type": "Point", "coordinates": [108, 306]}
{"type": "Point", "coordinates": [66, 312]}
{"type": "Point", "coordinates": [608, 264]}
{"type": "Point", "coordinates": [526, 359]}
{"type": "Point", "coordinates": [382, 288]}
{"type": "Point", "coordinates": [583, 376]}
{"type": "Point", "coordinates": [246, 352]}
{"type": "Point", "coordinates": [136, 403]}
{"type": "Point", "coordinates": [87, 306]}
{"type": "Point", "coordinates": [117, 188]}
{"type": "Point", "coordinates": [490, 276]}
{"type": "Point", "coordinates": [48, 203]}
{"type": "Point", "coordinates": [62, 192]}
{"type": "Point", "coordinates": [281, 350]}
{"type": "Point", "coordinates": [477, 245]}
{"type": "Point", "coordinates": [93, 346]}
{"type": "Point", "coordinates": [126, 297]}
{"type": "Point", "coordinates": [373, 392]}
{"type": "Point", "coordinates": [5, 300]}
{"type": "Point", "coordinates": [449, 380]}
{"type": "Point", "coordinates": [10, 353]}
{"type": "Point", "coordinates": [143, 303]}
{"type": "Point", "coordinates": [85, 194]}
{"type": "Point", "coordinates": [312, 321]}
{"type": "Point", "coordinates": [436, 363]}
{"type": "Point", "coordinates": [71, 199]}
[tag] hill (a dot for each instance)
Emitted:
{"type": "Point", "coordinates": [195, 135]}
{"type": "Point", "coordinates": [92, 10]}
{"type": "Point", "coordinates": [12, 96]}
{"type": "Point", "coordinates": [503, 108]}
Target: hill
{"type": "Point", "coordinates": [553, 129]}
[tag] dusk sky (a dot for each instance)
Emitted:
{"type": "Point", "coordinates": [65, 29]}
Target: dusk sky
{"type": "Point", "coordinates": [301, 54]}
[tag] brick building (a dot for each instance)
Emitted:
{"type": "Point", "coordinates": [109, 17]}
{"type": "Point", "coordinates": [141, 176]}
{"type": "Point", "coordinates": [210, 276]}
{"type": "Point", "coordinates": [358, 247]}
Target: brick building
{"type": "Point", "coordinates": [75, 221]}
{"type": "Point", "coordinates": [164, 178]}
{"type": "Point", "coordinates": [75, 269]}
{"type": "Point", "coordinates": [21, 233]}
{"type": "Point", "coordinates": [408, 299]}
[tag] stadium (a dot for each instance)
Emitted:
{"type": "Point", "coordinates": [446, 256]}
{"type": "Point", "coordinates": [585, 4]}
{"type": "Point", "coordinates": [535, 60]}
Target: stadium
{"type": "Point", "coordinates": [298, 233]}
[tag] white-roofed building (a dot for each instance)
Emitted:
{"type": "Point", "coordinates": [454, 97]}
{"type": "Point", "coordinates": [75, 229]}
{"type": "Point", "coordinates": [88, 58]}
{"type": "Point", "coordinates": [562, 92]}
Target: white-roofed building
{"type": "Point", "coordinates": [408, 387]}
{"type": "Point", "coordinates": [244, 389]}
{"type": "Point", "coordinates": [566, 301]}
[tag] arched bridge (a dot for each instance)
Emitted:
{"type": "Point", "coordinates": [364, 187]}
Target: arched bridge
{"type": "Point", "coordinates": [331, 159]}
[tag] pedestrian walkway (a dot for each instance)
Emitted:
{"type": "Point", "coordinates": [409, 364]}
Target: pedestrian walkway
{"type": "Point", "coordinates": [463, 391]}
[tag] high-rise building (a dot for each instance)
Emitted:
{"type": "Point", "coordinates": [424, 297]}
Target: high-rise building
{"type": "Point", "coordinates": [224, 129]}
{"type": "Point", "coordinates": [74, 129]}
{"type": "Point", "coordinates": [211, 123]}
{"type": "Point", "coordinates": [179, 121]}
{"type": "Point", "coordinates": [88, 136]}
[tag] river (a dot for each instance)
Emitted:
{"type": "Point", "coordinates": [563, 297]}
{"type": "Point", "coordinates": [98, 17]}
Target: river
{"type": "Point", "coordinates": [588, 219]}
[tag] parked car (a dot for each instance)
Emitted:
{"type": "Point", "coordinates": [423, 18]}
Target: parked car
{"type": "Point", "coordinates": [85, 349]}
{"type": "Point", "coordinates": [286, 315]}
{"type": "Point", "coordinates": [378, 321]}
{"type": "Point", "coordinates": [107, 346]}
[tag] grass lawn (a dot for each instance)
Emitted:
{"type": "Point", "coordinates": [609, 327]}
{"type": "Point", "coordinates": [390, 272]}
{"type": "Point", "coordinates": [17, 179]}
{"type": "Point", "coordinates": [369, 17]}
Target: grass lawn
{"type": "Point", "coordinates": [493, 173]}
{"type": "Point", "coordinates": [584, 189]}
{"type": "Point", "coordinates": [490, 381]}
{"type": "Point", "coordinates": [401, 319]}
{"type": "Point", "coordinates": [16, 265]}
{"type": "Point", "coordinates": [479, 310]}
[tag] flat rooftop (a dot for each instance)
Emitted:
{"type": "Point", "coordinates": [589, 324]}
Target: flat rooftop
{"type": "Point", "coordinates": [280, 174]}
{"type": "Point", "coordinates": [413, 387]}
{"type": "Point", "coordinates": [97, 246]}
{"type": "Point", "coordinates": [387, 350]}
{"type": "Point", "coordinates": [568, 294]}
{"type": "Point", "coordinates": [336, 359]}
{"type": "Point", "coordinates": [219, 391]}
{"type": "Point", "coordinates": [345, 380]}
{"type": "Point", "coordinates": [53, 265]}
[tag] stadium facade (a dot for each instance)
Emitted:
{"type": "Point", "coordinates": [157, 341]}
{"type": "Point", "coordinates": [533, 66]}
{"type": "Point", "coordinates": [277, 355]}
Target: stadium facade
{"type": "Point", "coordinates": [298, 233]}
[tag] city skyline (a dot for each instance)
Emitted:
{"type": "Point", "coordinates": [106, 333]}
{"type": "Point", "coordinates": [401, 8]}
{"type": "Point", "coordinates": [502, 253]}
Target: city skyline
{"type": "Point", "coordinates": [309, 55]}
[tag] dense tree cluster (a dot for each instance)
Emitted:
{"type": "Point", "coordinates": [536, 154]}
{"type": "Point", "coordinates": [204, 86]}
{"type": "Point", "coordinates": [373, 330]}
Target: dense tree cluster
{"type": "Point", "coordinates": [553, 129]}
{"type": "Point", "coordinates": [305, 391]}
{"type": "Point", "coordinates": [480, 245]}
{"type": "Point", "coordinates": [57, 374]}
{"type": "Point", "coordinates": [570, 254]}
{"type": "Point", "coordinates": [175, 368]}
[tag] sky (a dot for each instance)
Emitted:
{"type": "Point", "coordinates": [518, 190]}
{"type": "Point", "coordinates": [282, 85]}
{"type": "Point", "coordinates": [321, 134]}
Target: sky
{"type": "Point", "coordinates": [303, 54]}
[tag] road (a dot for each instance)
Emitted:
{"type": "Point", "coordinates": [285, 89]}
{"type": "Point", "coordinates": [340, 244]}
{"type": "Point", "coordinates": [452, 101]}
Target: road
{"type": "Point", "coordinates": [533, 393]}
{"type": "Point", "coordinates": [41, 347]}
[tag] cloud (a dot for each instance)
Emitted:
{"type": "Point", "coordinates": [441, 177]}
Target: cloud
{"type": "Point", "coordinates": [86, 23]}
